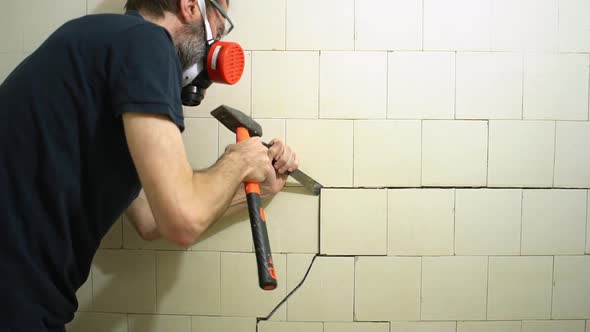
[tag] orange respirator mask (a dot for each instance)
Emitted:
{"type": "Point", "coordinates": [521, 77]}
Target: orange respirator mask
{"type": "Point", "coordinates": [224, 63]}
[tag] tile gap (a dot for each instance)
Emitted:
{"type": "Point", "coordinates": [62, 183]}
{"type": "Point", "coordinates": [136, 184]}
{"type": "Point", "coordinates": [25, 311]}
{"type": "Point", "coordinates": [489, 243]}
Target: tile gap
{"type": "Point", "coordinates": [488, 157]}
{"type": "Point", "coordinates": [454, 221]}
{"type": "Point", "coordinates": [552, 287]}
{"type": "Point", "coordinates": [423, 25]}
{"type": "Point", "coordinates": [421, 151]}
{"type": "Point", "coordinates": [522, 86]}
{"type": "Point", "coordinates": [521, 217]}
{"type": "Point", "coordinates": [488, 288]}
{"type": "Point", "coordinates": [586, 234]}
{"type": "Point", "coordinates": [455, 90]}
{"type": "Point", "coordinates": [421, 285]}
{"type": "Point", "coordinates": [554, 151]}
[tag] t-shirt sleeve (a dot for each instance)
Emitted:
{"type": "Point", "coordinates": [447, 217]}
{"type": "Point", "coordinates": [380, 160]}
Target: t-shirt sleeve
{"type": "Point", "coordinates": [145, 74]}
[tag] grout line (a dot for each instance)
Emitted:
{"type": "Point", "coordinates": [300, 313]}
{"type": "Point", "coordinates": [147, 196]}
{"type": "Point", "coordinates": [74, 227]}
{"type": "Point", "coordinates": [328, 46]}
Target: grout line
{"type": "Point", "coordinates": [422, 26]}
{"type": "Point", "coordinates": [455, 90]}
{"type": "Point", "coordinates": [386, 222]}
{"type": "Point", "coordinates": [251, 84]}
{"type": "Point", "coordinates": [354, 25]}
{"type": "Point", "coordinates": [454, 221]}
{"type": "Point", "coordinates": [156, 279]}
{"type": "Point", "coordinates": [286, 2]}
{"type": "Point", "coordinates": [588, 114]}
{"type": "Point", "coordinates": [488, 288]}
{"type": "Point", "coordinates": [354, 289]}
{"type": "Point", "coordinates": [521, 217]}
{"type": "Point", "coordinates": [488, 157]}
{"type": "Point", "coordinates": [353, 157]}
{"type": "Point", "coordinates": [421, 151]}
{"type": "Point", "coordinates": [554, 151]}
{"type": "Point", "coordinates": [586, 233]}
{"type": "Point", "coordinates": [421, 285]}
{"type": "Point", "coordinates": [552, 287]}
{"type": "Point", "coordinates": [522, 87]}
{"type": "Point", "coordinates": [319, 83]}
{"type": "Point", "coordinates": [387, 86]}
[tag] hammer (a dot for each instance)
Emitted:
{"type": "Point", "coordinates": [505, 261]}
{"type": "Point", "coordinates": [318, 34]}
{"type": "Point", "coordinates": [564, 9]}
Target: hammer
{"type": "Point", "coordinates": [245, 127]}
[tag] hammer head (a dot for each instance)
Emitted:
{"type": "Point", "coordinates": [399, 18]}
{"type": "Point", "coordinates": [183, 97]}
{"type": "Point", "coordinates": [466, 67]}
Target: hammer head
{"type": "Point", "coordinates": [233, 119]}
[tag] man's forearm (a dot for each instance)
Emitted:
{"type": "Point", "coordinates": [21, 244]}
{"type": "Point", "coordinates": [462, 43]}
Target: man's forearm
{"type": "Point", "coordinates": [216, 189]}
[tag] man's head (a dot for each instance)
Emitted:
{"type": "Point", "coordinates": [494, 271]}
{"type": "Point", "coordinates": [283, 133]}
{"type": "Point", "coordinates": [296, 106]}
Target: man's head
{"type": "Point", "coordinates": [184, 21]}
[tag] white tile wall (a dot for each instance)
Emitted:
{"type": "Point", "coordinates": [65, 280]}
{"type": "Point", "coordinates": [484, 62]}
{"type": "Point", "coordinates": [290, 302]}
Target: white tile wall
{"type": "Point", "coordinates": [356, 327]}
{"type": "Point", "coordinates": [293, 221]}
{"type": "Point", "coordinates": [387, 289]}
{"type": "Point", "coordinates": [140, 323]}
{"type": "Point", "coordinates": [489, 85]}
{"type": "Point", "coordinates": [201, 142]}
{"type": "Point", "coordinates": [98, 322]}
{"type": "Point", "coordinates": [105, 6]}
{"type": "Point", "coordinates": [572, 154]}
{"type": "Point", "coordinates": [320, 25]}
{"type": "Point", "coordinates": [84, 295]}
{"type": "Point", "coordinates": [454, 288]}
{"type": "Point", "coordinates": [290, 327]}
{"type": "Point", "coordinates": [524, 25]}
{"type": "Point", "coordinates": [521, 153]}
{"type": "Point", "coordinates": [454, 153]}
{"type": "Point", "coordinates": [285, 84]}
{"type": "Point", "coordinates": [421, 85]}
{"type": "Point", "coordinates": [250, 25]}
{"type": "Point", "coordinates": [223, 324]}
{"type": "Point", "coordinates": [387, 153]}
{"type": "Point", "coordinates": [556, 86]}
{"type": "Point", "coordinates": [353, 85]}
{"type": "Point", "coordinates": [553, 222]}
{"type": "Point", "coordinates": [12, 36]}
{"type": "Point", "coordinates": [8, 62]}
{"type": "Point", "coordinates": [124, 281]}
{"type": "Point", "coordinates": [353, 222]}
{"type": "Point", "coordinates": [43, 17]}
{"type": "Point", "coordinates": [369, 83]}
{"type": "Point", "coordinates": [457, 25]}
{"type": "Point", "coordinates": [188, 283]}
{"type": "Point", "coordinates": [327, 294]}
{"type": "Point", "coordinates": [571, 289]}
{"type": "Point", "coordinates": [498, 326]}
{"type": "Point", "coordinates": [388, 24]}
{"type": "Point", "coordinates": [488, 222]}
{"type": "Point", "coordinates": [324, 149]}
{"type": "Point", "coordinates": [423, 326]}
{"type": "Point", "coordinates": [241, 295]}
{"type": "Point", "coordinates": [519, 287]}
{"type": "Point", "coordinates": [553, 326]}
{"type": "Point", "coordinates": [574, 26]}
{"type": "Point", "coordinates": [420, 222]}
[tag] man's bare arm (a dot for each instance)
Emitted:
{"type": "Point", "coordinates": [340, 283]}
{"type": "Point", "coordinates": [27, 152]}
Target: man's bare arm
{"type": "Point", "coordinates": [184, 203]}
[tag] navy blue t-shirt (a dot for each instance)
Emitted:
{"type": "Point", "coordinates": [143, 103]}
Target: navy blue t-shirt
{"type": "Point", "coordinates": [65, 170]}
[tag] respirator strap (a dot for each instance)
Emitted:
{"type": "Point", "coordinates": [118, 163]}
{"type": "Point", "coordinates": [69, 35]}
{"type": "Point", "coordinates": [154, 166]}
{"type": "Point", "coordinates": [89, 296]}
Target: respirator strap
{"type": "Point", "coordinates": [203, 9]}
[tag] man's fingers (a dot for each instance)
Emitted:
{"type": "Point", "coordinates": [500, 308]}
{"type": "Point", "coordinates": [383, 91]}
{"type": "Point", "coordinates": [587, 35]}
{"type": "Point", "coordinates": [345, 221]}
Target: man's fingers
{"type": "Point", "coordinates": [290, 165]}
{"type": "Point", "coordinates": [277, 148]}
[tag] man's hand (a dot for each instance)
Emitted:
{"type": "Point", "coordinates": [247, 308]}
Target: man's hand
{"type": "Point", "coordinates": [285, 160]}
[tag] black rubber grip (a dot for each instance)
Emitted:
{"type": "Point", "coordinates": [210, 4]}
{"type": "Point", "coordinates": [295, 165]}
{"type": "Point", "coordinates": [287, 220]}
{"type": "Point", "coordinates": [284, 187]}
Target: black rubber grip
{"type": "Point", "coordinates": [267, 278]}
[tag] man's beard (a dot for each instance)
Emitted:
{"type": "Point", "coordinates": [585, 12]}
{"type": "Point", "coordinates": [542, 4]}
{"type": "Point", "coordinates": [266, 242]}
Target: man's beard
{"type": "Point", "coordinates": [192, 46]}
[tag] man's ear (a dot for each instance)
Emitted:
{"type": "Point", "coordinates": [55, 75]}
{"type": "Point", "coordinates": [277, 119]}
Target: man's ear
{"type": "Point", "coordinates": [188, 11]}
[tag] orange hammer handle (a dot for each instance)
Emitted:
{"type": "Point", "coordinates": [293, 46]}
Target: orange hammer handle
{"type": "Point", "coordinates": [267, 278]}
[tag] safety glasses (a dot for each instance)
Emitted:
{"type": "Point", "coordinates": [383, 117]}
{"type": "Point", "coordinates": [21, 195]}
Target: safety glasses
{"type": "Point", "coordinates": [228, 25]}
